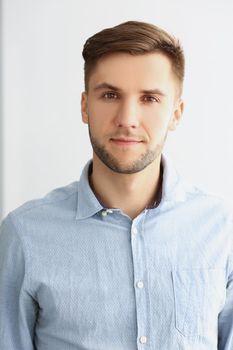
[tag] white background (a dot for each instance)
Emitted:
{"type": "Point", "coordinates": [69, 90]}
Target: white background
{"type": "Point", "coordinates": [45, 145]}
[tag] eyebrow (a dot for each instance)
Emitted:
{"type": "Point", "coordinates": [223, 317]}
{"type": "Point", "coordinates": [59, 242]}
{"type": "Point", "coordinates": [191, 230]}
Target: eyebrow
{"type": "Point", "coordinates": [115, 88]}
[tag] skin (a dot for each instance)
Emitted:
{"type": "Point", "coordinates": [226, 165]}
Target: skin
{"type": "Point", "coordinates": [131, 104]}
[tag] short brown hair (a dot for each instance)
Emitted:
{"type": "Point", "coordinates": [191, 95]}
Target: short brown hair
{"type": "Point", "coordinates": [135, 38]}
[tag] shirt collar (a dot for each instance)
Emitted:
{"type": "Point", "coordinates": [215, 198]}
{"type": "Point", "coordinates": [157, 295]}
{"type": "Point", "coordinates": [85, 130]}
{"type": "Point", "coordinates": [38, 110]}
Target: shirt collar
{"type": "Point", "coordinates": [173, 187]}
{"type": "Point", "coordinates": [87, 204]}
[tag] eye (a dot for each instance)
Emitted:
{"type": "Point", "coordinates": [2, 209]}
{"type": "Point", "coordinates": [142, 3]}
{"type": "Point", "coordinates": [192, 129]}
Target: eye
{"type": "Point", "coordinates": [110, 95]}
{"type": "Point", "coordinates": [150, 98]}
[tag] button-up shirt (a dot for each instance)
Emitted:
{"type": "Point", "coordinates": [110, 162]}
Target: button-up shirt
{"type": "Point", "coordinates": [75, 275]}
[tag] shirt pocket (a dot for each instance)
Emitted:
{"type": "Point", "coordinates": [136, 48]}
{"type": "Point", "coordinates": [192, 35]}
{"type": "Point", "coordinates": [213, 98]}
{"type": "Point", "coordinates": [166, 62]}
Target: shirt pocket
{"type": "Point", "coordinates": [199, 296]}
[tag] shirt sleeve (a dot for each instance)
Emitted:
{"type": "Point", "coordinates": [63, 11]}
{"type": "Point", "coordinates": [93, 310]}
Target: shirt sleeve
{"type": "Point", "coordinates": [225, 321]}
{"type": "Point", "coordinates": [18, 309]}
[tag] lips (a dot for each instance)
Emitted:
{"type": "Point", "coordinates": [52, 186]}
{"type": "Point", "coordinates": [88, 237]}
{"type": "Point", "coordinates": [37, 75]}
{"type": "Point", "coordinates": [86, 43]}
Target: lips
{"type": "Point", "coordinates": [125, 141]}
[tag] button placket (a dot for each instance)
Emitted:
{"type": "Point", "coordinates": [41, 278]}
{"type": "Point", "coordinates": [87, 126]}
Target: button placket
{"type": "Point", "coordinates": [134, 231]}
{"type": "Point", "coordinates": [141, 294]}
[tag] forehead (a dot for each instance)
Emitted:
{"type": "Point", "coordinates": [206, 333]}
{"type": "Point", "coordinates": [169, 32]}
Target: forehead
{"type": "Point", "coordinates": [125, 70]}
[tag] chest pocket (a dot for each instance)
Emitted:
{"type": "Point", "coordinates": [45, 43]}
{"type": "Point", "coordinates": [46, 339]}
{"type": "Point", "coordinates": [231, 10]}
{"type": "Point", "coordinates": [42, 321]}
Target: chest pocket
{"type": "Point", "coordinates": [199, 297]}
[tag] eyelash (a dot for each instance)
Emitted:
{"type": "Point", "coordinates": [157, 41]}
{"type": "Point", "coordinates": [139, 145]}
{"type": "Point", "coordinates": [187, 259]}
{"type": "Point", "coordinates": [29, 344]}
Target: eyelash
{"type": "Point", "coordinates": [114, 96]}
{"type": "Point", "coordinates": [107, 95]}
{"type": "Point", "coordinates": [151, 99]}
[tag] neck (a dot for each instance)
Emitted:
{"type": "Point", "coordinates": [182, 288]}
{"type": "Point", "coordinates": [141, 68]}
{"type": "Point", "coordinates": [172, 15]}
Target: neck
{"type": "Point", "coordinates": [132, 193]}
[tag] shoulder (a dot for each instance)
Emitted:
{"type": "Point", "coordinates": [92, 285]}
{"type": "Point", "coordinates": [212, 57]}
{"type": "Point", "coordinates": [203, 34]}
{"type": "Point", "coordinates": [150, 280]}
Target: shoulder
{"type": "Point", "coordinates": [208, 203]}
{"type": "Point", "coordinates": [54, 203]}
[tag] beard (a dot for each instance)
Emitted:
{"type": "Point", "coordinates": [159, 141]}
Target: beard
{"type": "Point", "coordinates": [145, 159]}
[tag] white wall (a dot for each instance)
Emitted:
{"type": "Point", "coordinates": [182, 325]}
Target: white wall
{"type": "Point", "coordinates": [1, 131]}
{"type": "Point", "coordinates": [45, 143]}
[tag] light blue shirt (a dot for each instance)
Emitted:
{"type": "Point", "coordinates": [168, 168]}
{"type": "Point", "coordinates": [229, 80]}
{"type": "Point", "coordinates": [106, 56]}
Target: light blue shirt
{"type": "Point", "coordinates": [77, 276]}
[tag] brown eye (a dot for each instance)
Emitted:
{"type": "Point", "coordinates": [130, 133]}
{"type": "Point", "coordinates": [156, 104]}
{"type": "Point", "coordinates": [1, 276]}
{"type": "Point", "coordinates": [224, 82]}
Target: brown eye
{"type": "Point", "coordinates": [150, 99]}
{"type": "Point", "coordinates": [110, 96]}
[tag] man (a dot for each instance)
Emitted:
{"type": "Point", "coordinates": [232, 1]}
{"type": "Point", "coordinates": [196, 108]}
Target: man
{"type": "Point", "coordinates": [129, 257]}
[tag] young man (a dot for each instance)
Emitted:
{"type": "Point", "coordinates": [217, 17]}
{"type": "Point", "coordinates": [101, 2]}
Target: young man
{"type": "Point", "coordinates": [129, 257]}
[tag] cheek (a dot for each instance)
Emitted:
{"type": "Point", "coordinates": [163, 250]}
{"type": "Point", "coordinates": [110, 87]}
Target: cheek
{"type": "Point", "coordinates": [102, 111]}
{"type": "Point", "coordinates": [96, 117]}
{"type": "Point", "coordinates": [98, 121]}
{"type": "Point", "coordinates": [157, 121]}
{"type": "Point", "coordinates": [156, 125]}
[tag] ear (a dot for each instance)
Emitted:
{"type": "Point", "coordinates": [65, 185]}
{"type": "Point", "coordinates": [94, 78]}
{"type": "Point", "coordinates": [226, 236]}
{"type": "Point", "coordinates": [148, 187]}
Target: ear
{"type": "Point", "coordinates": [84, 109]}
{"type": "Point", "coordinates": [177, 114]}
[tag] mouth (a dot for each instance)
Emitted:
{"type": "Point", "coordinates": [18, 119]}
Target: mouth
{"type": "Point", "coordinates": [125, 141]}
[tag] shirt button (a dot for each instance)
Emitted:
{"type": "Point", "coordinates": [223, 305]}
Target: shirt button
{"type": "Point", "coordinates": [104, 213]}
{"type": "Point", "coordinates": [109, 211]}
{"type": "Point", "coordinates": [140, 284]}
{"type": "Point", "coordinates": [143, 339]}
{"type": "Point", "coordinates": [134, 231]}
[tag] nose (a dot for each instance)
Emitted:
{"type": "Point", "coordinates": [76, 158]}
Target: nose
{"type": "Point", "coordinates": [127, 114]}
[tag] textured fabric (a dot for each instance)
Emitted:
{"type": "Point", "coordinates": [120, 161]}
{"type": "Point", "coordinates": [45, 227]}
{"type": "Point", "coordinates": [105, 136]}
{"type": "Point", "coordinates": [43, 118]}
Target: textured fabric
{"type": "Point", "coordinates": [76, 276]}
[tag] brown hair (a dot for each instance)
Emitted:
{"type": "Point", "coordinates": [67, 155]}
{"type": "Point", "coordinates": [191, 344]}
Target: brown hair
{"type": "Point", "coordinates": [135, 38]}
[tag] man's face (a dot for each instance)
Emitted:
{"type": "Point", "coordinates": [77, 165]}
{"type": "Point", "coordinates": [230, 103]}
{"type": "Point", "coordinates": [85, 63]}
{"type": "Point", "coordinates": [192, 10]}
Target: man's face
{"type": "Point", "coordinates": [130, 106]}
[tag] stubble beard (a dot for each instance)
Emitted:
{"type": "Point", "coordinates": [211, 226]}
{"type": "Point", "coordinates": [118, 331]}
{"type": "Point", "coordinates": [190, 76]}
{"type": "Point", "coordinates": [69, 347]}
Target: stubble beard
{"type": "Point", "coordinates": [135, 166]}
